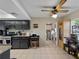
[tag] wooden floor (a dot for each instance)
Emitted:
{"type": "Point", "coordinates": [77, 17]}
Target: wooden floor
{"type": "Point", "coordinates": [46, 51]}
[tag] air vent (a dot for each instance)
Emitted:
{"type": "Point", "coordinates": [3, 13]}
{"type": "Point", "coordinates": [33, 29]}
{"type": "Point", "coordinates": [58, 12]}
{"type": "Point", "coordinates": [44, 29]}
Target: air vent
{"type": "Point", "coordinates": [15, 14]}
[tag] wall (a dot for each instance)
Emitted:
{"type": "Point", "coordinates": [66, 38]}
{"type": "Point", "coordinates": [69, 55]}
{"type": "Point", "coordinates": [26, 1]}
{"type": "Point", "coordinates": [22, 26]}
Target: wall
{"type": "Point", "coordinates": [67, 23]}
{"type": "Point", "coordinates": [67, 28]}
{"type": "Point", "coordinates": [41, 30]}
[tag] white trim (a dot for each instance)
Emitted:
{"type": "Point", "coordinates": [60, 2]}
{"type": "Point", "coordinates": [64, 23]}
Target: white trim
{"type": "Point", "coordinates": [21, 8]}
{"type": "Point", "coordinates": [4, 14]}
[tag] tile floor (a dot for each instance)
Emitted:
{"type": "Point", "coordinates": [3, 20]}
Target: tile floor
{"type": "Point", "coordinates": [48, 51]}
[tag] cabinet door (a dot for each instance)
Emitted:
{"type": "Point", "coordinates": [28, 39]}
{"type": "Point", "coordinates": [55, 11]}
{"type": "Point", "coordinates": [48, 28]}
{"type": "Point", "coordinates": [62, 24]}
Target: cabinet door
{"type": "Point", "coordinates": [24, 44]}
{"type": "Point", "coordinates": [6, 55]}
{"type": "Point", "coordinates": [0, 56]}
{"type": "Point", "coordinates": [15, 43]}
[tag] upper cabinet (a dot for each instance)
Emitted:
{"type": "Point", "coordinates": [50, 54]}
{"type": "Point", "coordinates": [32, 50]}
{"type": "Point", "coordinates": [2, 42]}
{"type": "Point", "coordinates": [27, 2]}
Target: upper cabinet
{"type": "Point", "coordinates": [15, 24]}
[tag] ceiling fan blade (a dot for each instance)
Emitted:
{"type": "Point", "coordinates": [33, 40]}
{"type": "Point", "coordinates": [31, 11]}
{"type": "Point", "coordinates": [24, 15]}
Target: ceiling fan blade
{"type": "Point", "coordinates": [63, 11]}
{"type": "Point", "coordinates": [66, 7]}
{"type": "Point", "coordinates": [63, 7]}
{"type": "Point", "coordinates": [52, 10]}
{"type": "Point", "coordinates": [49, 10]}
{"type": "Point", "coordinates": [46, 6]}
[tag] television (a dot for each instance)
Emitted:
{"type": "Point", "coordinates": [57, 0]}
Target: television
{"type": "Point", "coordinates": [15, 24]}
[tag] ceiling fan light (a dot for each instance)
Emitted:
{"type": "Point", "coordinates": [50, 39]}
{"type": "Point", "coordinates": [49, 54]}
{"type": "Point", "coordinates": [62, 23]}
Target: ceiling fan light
{"type": "Point", "coordinates": [54, 16]}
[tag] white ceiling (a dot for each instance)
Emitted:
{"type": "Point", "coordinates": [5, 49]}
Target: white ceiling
{"type": "Point", "coordinates": [27, 9]}
{"type": "Point", "coordinates": [12, 6]}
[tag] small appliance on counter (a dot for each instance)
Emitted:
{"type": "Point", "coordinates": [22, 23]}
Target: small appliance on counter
{"type": "Point", "coordinates": [11, 33]}
{"type": "Point", "coordinates": [1, 32]}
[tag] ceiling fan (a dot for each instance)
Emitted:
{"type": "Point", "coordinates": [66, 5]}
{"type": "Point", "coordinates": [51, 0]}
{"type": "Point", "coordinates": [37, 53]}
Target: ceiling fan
{"type": "Point", "coordinates": [56, 9]}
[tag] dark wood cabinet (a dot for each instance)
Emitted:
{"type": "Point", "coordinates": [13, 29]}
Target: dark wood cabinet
{"type": "Point", "coordinates": [15, 24]}
{"type": "Point", "coordinates": [5, 55]}
{"type": "Point", "coordinates": [15, 43]}
{"type": "Point", "coordinates": [24, 43]}
{"type": "Point", "coordinates": [34, 41]}
{"type": "Point", "coordinates": [20, 42]}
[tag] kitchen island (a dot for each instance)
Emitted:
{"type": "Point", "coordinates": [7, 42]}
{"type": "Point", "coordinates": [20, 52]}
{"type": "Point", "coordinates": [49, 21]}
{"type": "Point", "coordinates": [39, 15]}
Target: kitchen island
{"type": "Point", "coordinates": [20, 42]}
{"type": "Point", "coordinates": [5, 51]}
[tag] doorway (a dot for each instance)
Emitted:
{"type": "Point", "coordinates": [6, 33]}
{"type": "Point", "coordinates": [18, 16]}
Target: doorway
{"type": "Point", "coordinates": [48, 31]}
{"type": "Point", "coordinates": [51, 31]}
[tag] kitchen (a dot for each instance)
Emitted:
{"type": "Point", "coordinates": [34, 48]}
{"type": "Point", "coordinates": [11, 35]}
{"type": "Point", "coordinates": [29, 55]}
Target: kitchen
{"type": "Point", "coordinates": [13, 34]}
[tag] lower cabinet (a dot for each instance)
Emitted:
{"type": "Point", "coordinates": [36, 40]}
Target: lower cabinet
{"type": "Point", "coordinates": [24, 44]}
{"type": "Point", "coordinates": [15, 43]}
{"type": "Point", "coordinates": [20, 43]}
{"type": "Point", "coordinates": [5, 55]}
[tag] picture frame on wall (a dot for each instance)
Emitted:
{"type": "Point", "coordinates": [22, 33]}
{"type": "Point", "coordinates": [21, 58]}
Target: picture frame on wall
{"type": "Point", "coordinates": [35, 25]}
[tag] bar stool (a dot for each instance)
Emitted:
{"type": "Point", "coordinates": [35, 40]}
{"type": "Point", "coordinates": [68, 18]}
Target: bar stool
{"type": "Point", "coordinates": [34, 41]}
{"type": "Point", "coordinates": [34, 44]}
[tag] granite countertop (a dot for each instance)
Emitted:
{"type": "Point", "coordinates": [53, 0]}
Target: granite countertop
{"type": "Point", "coordinates": [5, 37]}
{"type": "Point", "coordinates": [4, 48]}
{"type": "Point", "coordinates": [20, 36]}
